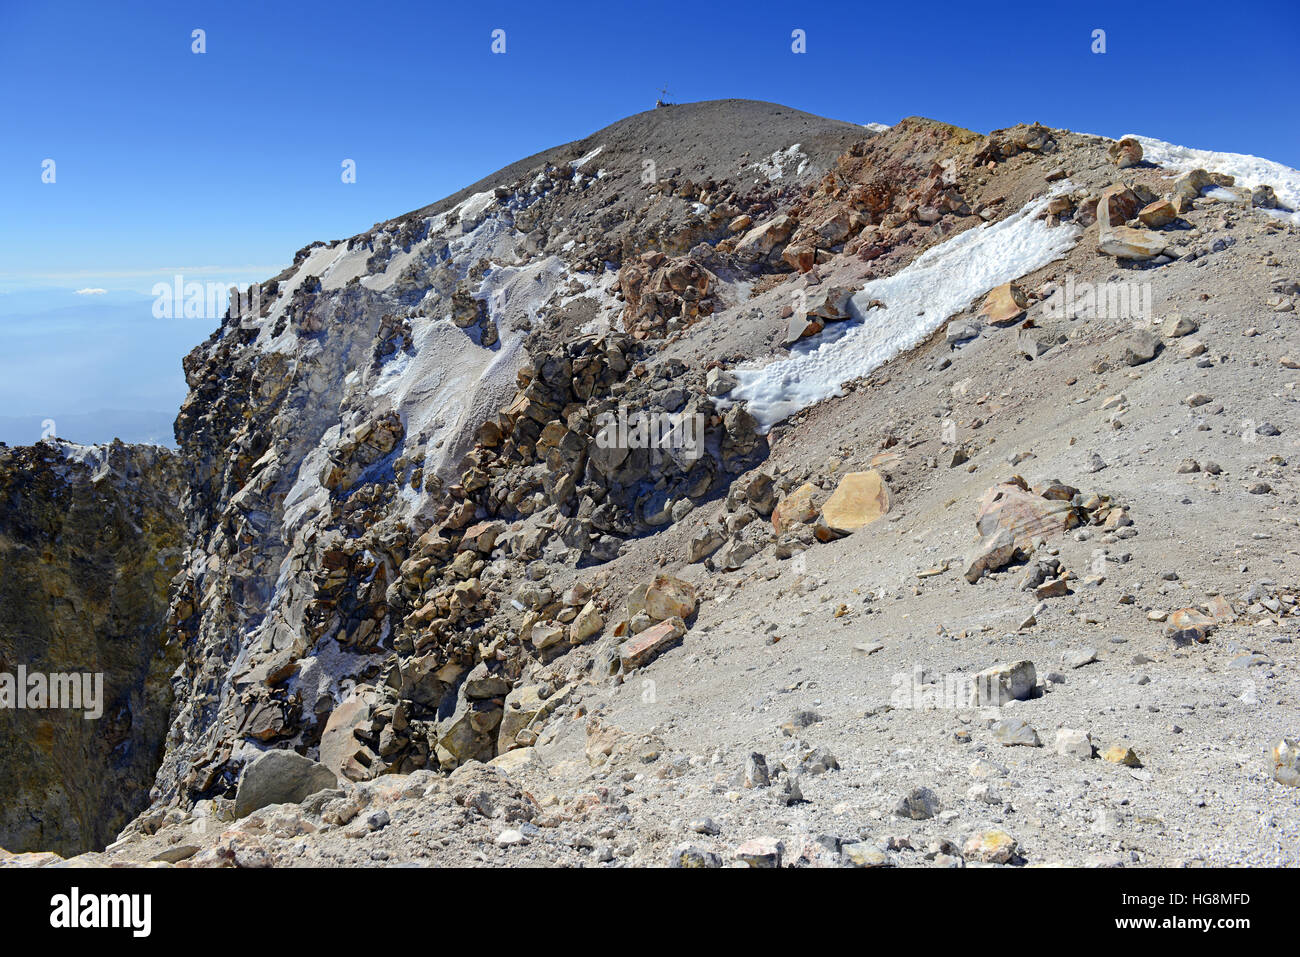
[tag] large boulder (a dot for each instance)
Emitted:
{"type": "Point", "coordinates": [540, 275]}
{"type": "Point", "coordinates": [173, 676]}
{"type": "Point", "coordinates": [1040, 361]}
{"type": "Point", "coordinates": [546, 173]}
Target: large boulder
{"type": "Point", "coordinates": [280, 777]}
{"type": "Point", "coordinates": [996, 686]}
{"type": "Point", "coordinates": [995, 550]}
{"type": "Point", "coordinates": [1125, 242]}
{"type": "Point", "coordinates": [1118, 204]}
{"type": "Point", "coordinates": [340, 750]}
{"type": "Point", "coordinates": [670, 597]}
{"type": "Point", "coordinates": [1026, 515]}
{"type": "Point", "coordinates": [860, 499]}
{"type": "Point", "coordinates": [1125, 153]}
{"type": "Point", "coordinates": [829, 303]}
{"type": "Point", "coordinates": [1004, 304]}
{"type": "Point", "coordinates": [762, 240]}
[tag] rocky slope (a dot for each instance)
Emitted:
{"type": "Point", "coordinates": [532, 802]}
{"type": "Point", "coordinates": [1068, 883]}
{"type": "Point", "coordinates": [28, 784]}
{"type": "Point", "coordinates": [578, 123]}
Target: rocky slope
{"type": "Point", "coordinates": [918, 442]}
{"type": "Point", "coordinates": [89, 541]}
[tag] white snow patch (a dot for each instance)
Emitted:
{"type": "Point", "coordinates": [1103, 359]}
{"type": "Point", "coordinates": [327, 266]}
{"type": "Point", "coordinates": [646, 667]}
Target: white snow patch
{"type": "Point", "coordinates": [1249, 171]}
{"type": "Point", "coordinates": [941, 282]}
{"type": "Point", "coordinates": [876, 127]}
{"type": "Point", "coordinates": [776, 165]}
{"type": "Point", "coordinates": [582, 161]}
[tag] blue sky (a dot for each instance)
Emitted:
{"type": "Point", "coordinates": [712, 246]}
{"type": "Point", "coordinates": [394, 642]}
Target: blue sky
{"type": "Point", "coordinates": [220, 165]}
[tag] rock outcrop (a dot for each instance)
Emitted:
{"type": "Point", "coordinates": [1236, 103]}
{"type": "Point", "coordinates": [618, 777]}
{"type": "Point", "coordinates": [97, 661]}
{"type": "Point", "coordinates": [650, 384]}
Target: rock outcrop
{"type": "Point", "coordinates": [89, 540]}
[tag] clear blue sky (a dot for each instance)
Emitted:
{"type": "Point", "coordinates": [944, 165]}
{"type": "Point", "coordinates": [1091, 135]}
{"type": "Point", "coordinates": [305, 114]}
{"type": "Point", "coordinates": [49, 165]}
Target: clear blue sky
{"type": "Point", "coordinates": [220, 166]}
{"type": "Point", "coordinates": [231, 159]}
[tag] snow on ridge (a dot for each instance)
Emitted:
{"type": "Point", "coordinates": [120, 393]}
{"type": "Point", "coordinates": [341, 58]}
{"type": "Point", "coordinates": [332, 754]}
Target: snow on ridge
{"type": "Point", "coordinates": [1249, 171]}
{"type": "Point", "coordinates": [941, 282]}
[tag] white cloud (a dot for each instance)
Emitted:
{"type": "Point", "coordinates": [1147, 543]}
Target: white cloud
{"type": "Point", "coordinates": [90, 292]}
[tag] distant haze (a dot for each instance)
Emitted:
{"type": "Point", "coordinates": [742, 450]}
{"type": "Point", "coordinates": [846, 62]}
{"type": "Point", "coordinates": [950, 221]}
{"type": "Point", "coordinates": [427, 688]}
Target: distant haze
{"type": "Point", "coordinates": [91, 367]}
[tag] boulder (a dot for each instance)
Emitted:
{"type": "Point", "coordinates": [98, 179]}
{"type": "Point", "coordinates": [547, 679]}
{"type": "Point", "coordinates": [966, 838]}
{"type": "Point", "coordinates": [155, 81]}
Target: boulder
{"type": "Point", "coordinates": [670, 597]}
{"type": "Point", "coordinates": [1027, 516]}
{"type": "Point", "coordinates": [1127, 152]}
{"type": "Point", "coordinates": [525, 709]}
{"type": "Point", "coordinates": [796, 507]}
{"type": "Point", "coordinates": [1157, 214]}
{"type": "Point", "coordinates": [1140, 347]}
{"type": "Point", "coordinates": [762, 239]}
{"type": "Point", "coordinates": [340, 750]}
{"type": "Point", "coordinates": [1072, 743]}
{"type": "Point", "coordinates": [1125, 242]}
{"type": "Point", "coordinates": [1015, 732]}
{"type": "Point", "coordinates": [1286, 762]}
{"type": "Point", "coordinates": [801, 326]}
{"type": "Point", "coordinates": [799, 257]}
{"type": "Point", "coordinates": [704, 543]}
{"type": "Point", "coordinates": [280, 777]}
{"type": "Point", "coordinates": [1004, 304]}
{"type": "Point", "coordinates": [544, 634]}
{"type": "Point", "coordinates": [860, 499]}
{"type": "Point", "coordinates": [1188, 625]}
{"type": "Point", "coordinates": [651, 643]}
{"type": "Point", "coordinates": [588, 623]}
{"type": "Point", "coordinates": [1118, 204]}
{"type": "Point", "coordinates": [829, 303]}
{"type": "Point", "coordinates": [990, 847]}
{"type": "Point", "coordinates": [996, 686]}
{"type": "Point", "coordinates": [1187, 187]}
{"type": "Point", "coordinates": [995, 550]}
{"type": "Point", "coordinates": [718, 381]}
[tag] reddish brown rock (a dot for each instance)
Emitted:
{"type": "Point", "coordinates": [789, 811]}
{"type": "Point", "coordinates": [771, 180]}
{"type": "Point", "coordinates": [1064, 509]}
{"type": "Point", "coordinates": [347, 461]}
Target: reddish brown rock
{"type": "Point", "coordinates": [651, 643]}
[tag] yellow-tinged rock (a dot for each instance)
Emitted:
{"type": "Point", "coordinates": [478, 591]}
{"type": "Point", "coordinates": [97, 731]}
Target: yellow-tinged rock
{"type": "Point", "coordinates": [990, 847]}
{"type": "Point", "coordinates": [1286, 762]}
{"type": "Point", "coordinates": [1157, 214]}
{"type": "Point", "coordinates": [1124, 242]}
{"type": "Point", "coordinates": [587, 623]}
{"type": "Point", "coordinates": [795, 507]}
{"type": "Point", "coordinates": [1190, 624]}
{"type": "Point", "coordinates": [860, 499]}
{"type": "Point", "coordinates": [1118, 754]}
{"type": "Point", "coordinates": [1005, 304]}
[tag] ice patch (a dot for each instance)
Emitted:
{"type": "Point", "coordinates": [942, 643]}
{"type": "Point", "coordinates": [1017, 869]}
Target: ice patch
{"type": "Point", "coordinates": [1249, 171]}
{"type": "Point", "coordinates": [941, 282]}
{"type": "Point", "coordinates": [775, 166]}
{"type": "Point", "coordinates": [584, 160]}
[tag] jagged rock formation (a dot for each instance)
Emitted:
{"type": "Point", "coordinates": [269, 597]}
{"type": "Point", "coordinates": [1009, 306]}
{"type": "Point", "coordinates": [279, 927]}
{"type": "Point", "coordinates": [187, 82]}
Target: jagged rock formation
{"type": "Point", "coordinates": [89, 540]}
{"type": "Point", "coordinates": [473, 487]}
{"type": "Point", "coordinates": [415, 414]}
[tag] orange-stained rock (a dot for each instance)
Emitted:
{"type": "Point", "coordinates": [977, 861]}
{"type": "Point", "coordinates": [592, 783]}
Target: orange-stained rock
{"type": "Point", "coordinates": [1005, 304]}
{"type": "Point", "coordinates": [651, 643]}
{"type": "Point", "coordinates": [670, 597]}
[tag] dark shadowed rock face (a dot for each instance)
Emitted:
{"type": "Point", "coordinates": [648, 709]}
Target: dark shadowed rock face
{"type": "Point", "coordinates": [89, 538]}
